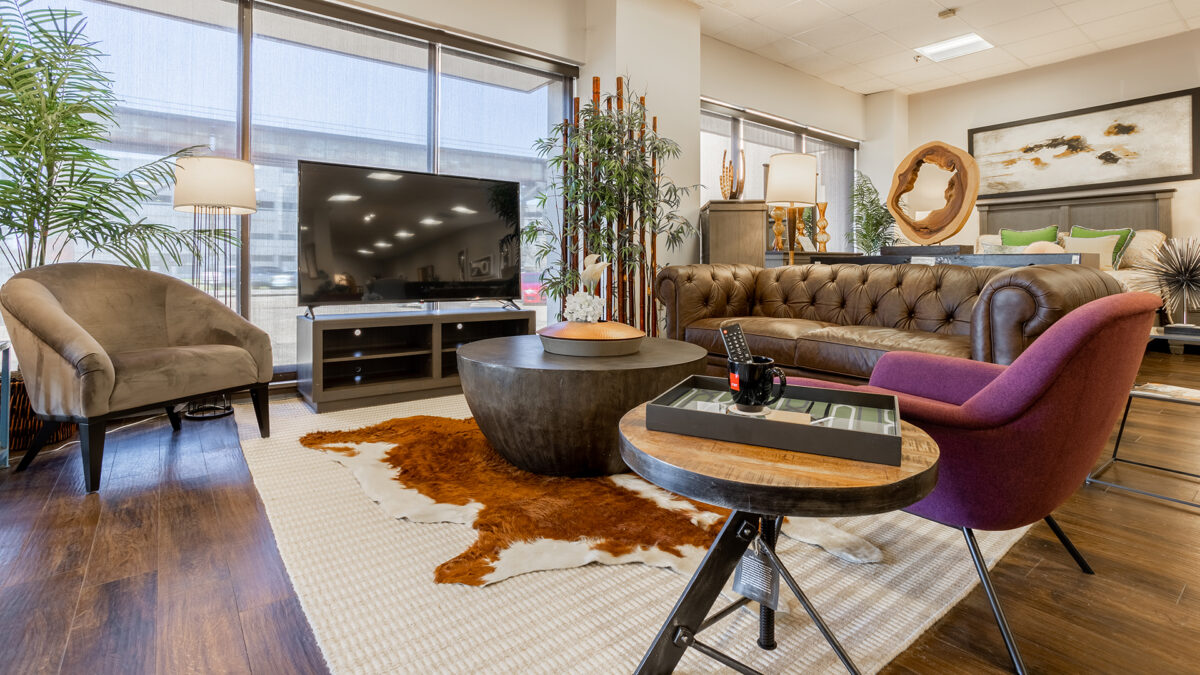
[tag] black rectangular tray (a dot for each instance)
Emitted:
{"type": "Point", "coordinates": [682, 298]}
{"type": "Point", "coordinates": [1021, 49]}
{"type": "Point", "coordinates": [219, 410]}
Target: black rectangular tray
{"type": "Point", "coordinates": [864, 446]}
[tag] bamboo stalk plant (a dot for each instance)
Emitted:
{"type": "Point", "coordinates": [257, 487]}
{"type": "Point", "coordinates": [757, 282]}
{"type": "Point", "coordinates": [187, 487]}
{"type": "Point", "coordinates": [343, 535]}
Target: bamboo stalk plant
{"type": "Point", "coordinates": [616, 202]}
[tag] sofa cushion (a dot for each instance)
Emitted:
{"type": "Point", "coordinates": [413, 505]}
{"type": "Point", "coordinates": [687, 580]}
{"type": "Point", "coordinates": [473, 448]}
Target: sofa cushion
{"type": "Point", "coordinates": [853, 350]}
{"type": "Point", "coordinates": [773, 338]}
{"type": "Point", "coordinates": [148, 376]}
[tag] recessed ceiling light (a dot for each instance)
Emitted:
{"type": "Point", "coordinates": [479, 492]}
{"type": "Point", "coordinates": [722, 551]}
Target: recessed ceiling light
{"type": "Point", "coordinates": [369, 217]}
{"type": "Point", "coordinates": [304, 228]}
{"type": "Point", "coordinates": [383, 244]}
{"type": "Point", "coordinates": [343, 197]}
{"type": "Point", "coordinates": [954, 47]}
{"type": "Point", "coordinates": [430, 221]}
{"type": "Point", "coordinates": [463, 209]}
{"type": "Point", "coordinates": [403, 234]}
{"type": "Point", "coordinates": [384, 175]}
{"type": "Point", "coordinates": [366, 251]}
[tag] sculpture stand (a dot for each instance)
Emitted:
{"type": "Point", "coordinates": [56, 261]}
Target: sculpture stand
{"type": "Point", "coordinates": [822, 236]}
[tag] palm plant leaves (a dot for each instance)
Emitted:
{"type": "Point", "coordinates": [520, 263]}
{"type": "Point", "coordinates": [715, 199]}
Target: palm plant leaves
{"type": "Point", "coordinates": [56, 187]}
{"type": "Point", "coordinates": [874, 226]}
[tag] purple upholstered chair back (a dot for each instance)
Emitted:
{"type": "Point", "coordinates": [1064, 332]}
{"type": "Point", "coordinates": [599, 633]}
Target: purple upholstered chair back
{"type": "Point", "coordinates": [1024, 442]}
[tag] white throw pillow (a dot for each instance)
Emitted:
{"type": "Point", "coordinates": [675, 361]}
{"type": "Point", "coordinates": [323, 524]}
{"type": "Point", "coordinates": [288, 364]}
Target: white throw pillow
{"type": "Point", "coordinates": [1101, 246]}
{"type": "Point", "coordinates": [1143, 248]}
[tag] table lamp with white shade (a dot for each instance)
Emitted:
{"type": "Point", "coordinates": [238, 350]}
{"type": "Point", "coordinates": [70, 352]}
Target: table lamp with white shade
{"type": "Point", "coordinates": [792, 180]}
{"type": "Point", "coordinates": [215, 190]}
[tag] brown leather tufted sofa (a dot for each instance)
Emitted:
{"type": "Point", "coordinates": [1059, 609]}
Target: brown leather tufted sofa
{"type": "Point", "coordinates": [835, 321]}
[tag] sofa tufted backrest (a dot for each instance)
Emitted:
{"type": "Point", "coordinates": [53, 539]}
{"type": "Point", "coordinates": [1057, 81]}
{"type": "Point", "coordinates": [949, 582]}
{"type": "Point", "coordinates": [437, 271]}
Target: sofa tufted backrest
{"type": "Point", "coordinates": [934, 299]}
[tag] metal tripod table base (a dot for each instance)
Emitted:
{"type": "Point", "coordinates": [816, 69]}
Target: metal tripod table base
{"type": "Point", "coordinates": [690, 615]}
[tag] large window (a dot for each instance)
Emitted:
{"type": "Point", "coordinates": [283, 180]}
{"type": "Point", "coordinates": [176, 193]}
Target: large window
{"type": "Point", "coordinates": [348, 87]}
{"type": "Point", "coordinates": [725, 130]}
{"type": "Point", "coordinates": [324, 91]}
{"type": "Point", "coordinates": [168, 104]}
{"type": "Point", "coordinates": [716, 141]}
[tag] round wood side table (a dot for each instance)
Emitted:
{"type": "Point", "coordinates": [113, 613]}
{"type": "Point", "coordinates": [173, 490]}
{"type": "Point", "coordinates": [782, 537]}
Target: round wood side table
{"type": "Point", "coordinates": [761, 486]}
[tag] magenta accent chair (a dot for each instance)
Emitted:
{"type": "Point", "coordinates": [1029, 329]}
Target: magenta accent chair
{"type": "Point", "coordinates": [1016, 441]}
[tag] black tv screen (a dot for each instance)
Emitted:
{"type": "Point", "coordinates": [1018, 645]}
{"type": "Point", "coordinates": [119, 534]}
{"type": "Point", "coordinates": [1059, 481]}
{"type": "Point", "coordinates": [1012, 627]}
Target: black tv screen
{"type": "Point", "coordinates": [381, 235]}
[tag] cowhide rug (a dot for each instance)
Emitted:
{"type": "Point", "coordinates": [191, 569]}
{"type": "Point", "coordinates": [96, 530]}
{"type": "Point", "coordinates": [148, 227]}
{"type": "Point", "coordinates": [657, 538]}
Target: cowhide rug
{"type": "Point", "coordinates": [437, 469]}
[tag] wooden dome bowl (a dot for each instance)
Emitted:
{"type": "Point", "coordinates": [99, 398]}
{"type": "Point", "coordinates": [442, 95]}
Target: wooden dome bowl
{"type": "Point", "coordinates": [961, 192]}
{"type": "Point", "coordinates": [600, 330]}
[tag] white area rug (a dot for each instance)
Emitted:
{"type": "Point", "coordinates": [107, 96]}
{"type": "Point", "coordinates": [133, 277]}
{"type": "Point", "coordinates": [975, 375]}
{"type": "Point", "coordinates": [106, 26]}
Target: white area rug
{"type": "Point", "coordinates": [365, 580]}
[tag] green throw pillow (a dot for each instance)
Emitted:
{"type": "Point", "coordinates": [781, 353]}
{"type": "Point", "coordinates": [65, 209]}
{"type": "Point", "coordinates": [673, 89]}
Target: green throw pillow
{"type": "Point", "coordinates": [1124, 236]}
{"type": "Point", "coordinates": [1027, 237]}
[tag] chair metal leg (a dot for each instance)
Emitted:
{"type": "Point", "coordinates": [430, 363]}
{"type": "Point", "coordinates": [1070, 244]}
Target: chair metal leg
{"type": "Point", "coordinates": [1066, 542]}
{"type": "Point", "coordinates": [981, 568]}
{"type": "Point", "coordinates": [262, 409]}
{"type": "Point", "coordinates": [39, 441]}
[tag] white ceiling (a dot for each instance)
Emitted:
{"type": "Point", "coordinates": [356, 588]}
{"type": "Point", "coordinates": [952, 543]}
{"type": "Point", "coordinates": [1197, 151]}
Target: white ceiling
{"type": "Point", "coordinates": [867, 45]}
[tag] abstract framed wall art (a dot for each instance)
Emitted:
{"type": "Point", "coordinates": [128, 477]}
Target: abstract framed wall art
{"type": "Point", "coordinates": [1146, 140]}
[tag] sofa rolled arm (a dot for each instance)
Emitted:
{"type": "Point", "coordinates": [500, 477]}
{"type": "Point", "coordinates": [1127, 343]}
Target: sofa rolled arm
{"type": "Point", "coordinates": [67, 372]}
{"type": "Point", "coordinates": [690, 293]}
{"type": "Point", "coordinates": [196, 318]}
{"type": "Point", "coordinates": [933, 376]}
{"type": "Point", "coordinates": [1018, 305]}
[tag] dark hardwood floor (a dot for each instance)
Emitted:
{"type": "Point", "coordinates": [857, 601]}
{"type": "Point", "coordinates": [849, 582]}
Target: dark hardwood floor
{"type": "Point", "coordinates": [172, 566]}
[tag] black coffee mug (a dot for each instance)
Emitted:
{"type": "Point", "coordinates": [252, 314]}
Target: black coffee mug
{"type": "Point", "coordinates": [750, 383]}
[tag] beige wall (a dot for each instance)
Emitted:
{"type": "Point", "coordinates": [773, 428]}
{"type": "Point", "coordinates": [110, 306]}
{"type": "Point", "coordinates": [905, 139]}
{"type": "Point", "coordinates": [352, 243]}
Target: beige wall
{"type": "Point", "coordinates": [885, 137]}
{"type": "Point", "coordinates": [751, 81]}
{"type": "Point", "coordinates": [1155, 67]}
{"type": "Point", "coordinates": [551, 27]}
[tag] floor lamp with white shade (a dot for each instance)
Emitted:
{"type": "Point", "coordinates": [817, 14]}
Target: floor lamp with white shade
{"type": "Point", "coordinates": [792, 180]}
{"type": "Point", "coordinates": [216, 191]}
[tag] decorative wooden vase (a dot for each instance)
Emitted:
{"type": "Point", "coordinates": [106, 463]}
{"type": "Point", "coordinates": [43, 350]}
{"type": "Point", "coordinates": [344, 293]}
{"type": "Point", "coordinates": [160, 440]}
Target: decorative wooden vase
{"type": "Point", "coordinates": [822, 236]}
{"type": "Point", "coordinates": [600, 338]}
{"type": "Point", "coordinates": [777, 214]}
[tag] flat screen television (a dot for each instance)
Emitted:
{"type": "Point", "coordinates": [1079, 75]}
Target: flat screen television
{"type": "Point", "coordinates": [382, 235]}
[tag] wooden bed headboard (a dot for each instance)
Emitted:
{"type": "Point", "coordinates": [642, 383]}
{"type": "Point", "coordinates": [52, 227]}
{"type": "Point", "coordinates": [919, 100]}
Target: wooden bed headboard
{"type": "Point", "coordinates": [1142, 210]}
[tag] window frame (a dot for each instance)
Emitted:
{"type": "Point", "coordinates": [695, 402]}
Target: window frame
{"type": "Point", "coordinates": [802, 132]}
{"type": "Point", "coordinates": [436, 38]}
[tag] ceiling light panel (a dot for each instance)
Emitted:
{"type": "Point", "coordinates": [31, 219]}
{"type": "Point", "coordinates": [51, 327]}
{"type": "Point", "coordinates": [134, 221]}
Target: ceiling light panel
{"type": "Point", "coordinates": [954, 47]}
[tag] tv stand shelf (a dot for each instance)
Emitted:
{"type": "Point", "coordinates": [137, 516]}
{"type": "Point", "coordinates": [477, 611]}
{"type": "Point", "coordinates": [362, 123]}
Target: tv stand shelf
{"type": "Point", "coordinates": [355, 360]}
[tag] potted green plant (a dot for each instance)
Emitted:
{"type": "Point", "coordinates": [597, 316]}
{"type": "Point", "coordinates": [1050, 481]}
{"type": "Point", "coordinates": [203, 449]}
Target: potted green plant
{"type": "Point", "coordinates": [616, 203]}
{"type": "Point", "coordinates": [58, 191]}
{"type": "Point", "coordinates": [874, 226]}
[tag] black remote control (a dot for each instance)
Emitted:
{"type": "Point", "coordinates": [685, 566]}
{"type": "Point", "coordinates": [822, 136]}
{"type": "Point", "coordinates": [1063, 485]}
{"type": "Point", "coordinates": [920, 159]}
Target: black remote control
{"type": "Point", "coordinates": [735, 343]}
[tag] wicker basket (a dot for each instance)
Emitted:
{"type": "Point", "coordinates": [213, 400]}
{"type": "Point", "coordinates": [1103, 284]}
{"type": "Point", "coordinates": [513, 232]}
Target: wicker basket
{"type": "Point", "coordinates": [23, 425]}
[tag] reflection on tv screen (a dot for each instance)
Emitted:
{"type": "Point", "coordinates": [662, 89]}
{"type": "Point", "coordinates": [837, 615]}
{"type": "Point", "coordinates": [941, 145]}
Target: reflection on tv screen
{"type": "Point", "coordinates": [380, 235]}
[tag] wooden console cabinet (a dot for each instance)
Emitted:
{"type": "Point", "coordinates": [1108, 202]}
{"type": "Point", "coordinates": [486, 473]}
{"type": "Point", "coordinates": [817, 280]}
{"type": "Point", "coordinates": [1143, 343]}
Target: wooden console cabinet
{"type": "Point", "coordinates": [733, 231]}
{"type": "Point", "coordinates": [356, 360]}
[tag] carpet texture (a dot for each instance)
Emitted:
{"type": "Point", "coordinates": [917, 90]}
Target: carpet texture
{"type": "Point", "coordinates": [443, 470]}
{"type": "Point", "coordinates": [365, 580]}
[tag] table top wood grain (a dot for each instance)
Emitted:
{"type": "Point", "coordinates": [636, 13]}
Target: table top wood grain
{"type": "Point", "coordinates": [778, 482]}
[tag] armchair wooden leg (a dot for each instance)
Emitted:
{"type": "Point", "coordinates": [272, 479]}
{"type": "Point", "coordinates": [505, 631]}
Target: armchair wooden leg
{"type": "Point", "coordinates": [39, 441]}
{"type": "Point", "coordinates": [173, 415]}
{"type": "Point", "coordinates": [262, 412]}
{"type": "Point", "coordinates": [91, 448]}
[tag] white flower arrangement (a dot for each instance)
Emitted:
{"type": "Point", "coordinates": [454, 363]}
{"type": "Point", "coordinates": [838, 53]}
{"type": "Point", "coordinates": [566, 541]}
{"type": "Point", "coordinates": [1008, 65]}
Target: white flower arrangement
{"type": "Point", "coordinates": [583, 306]}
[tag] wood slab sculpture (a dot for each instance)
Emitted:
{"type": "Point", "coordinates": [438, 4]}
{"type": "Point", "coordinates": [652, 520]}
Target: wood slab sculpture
{"type": "Point", "coordinates": [731, 188]}
{"type": "Point", "coordinates": [961, 191]}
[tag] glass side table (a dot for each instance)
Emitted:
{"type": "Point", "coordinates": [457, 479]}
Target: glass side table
{"type": "Point", "coordinates": [5, 402]}
{"type": "Point", "coordinates": [1157, 392]}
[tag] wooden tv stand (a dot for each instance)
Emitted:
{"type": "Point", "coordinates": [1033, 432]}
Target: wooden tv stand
{"type": "Point", "coordinates": [357, 360]}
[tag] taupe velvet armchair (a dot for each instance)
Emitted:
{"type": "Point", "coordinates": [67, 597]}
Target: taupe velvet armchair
{"type": "Point", "coordinates": [100, 342]}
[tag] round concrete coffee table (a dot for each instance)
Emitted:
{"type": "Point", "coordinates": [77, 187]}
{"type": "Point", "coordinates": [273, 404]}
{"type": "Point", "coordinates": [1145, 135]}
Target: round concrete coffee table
{"type": "Point", "coordinates": [558, 415]}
